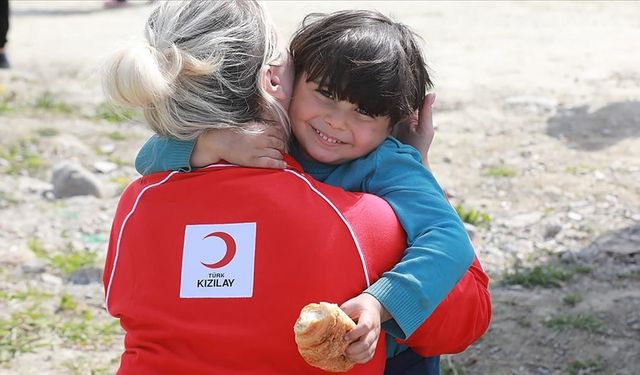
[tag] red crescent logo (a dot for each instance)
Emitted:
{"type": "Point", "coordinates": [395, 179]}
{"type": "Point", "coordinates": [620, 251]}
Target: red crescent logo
{"type": "Point", "coordinates": [231, 249]}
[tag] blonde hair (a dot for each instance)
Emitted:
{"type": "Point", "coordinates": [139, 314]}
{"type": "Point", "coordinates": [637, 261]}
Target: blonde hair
{"type": "Point", "coordinates": [199, 69]}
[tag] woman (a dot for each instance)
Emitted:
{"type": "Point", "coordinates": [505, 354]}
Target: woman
{"type": "Point", "coordinates": [217, 65]}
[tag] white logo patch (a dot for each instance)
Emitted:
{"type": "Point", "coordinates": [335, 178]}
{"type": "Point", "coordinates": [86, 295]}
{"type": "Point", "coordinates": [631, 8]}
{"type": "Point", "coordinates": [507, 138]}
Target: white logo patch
{"type": "Point", "coordinates": [218, 261]}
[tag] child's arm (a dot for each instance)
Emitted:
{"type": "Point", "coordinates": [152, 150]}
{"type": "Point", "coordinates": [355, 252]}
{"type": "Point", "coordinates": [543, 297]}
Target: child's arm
{"type": "Point", "coordinates": [249, 149]}
{"type": "Point", "coordinates": [439, 251]}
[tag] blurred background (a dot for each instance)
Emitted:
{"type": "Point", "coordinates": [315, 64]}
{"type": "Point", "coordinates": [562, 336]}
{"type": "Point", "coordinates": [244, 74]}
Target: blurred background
{"type": "Point", "coordinates": [537, 142]}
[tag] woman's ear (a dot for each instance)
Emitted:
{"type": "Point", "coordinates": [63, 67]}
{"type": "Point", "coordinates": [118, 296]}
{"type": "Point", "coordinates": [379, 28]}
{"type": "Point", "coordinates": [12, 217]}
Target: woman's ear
{"type": "Point", "coordinates": [271, 82]}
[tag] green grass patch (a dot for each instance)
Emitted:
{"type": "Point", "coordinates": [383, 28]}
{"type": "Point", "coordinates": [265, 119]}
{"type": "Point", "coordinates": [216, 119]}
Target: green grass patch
{"type": "Point", "coordinates": [116, 136]}
{"type": "Point", "coordinates": [471, 216]}
{"type": "Point", "coordinates": [30, 294]}
{"type": "Point", "coordinates": [583, 270]}
{"type": "Point", "coordinates": [73, 260]}
{"type": "Point", "coordinates": [523, 322]}
{"type": "Point", "coordinates": [88, 366]}
{"type": "Point", "coordinates": [82, 329]}
{"type": "Point", "coordinates": [572, 299]}
{"type": "Point", "coordinates": [47, 132]}
{"type": "Point", "coordinates": [582, 322]}
{"type": "Point", "coordinates": [500, 171]}
{"type": "Point", "coordinates": [47, 101]}
{"type": "Point", "coordinates": [111, 113]}
{"type": "Point", "coordinates": [5, 107]}
{"type": "Point", "coordinates": [587, 367]}
{"type": "Point", "coordinates": [544, 276]}
{"type": "Point", "coordinates": [22, 156]}
{"type": "Point", "coordinates": [36, 246]}
{"type": "Point", "coordinates": [67, 303]}
{"type": "Point", "coordinates": [21, 332]}
{"type": "Point", "coordinates": [69, 261]}
{"type": "Point", "coordinates": [31, 328]}
{"type": "Point", "coordinates": [579, 169]}
{"type": "Point", "coordinates": [633, 276]}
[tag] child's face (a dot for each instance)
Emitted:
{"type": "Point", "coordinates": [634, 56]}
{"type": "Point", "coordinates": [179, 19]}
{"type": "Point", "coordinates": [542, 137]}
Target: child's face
{"type": "Point", "coordinates": [331, 131]}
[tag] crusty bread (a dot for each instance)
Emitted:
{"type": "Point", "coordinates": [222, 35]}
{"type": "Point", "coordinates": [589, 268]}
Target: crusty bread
{"type": "Point", "coordinates": [320, 331]}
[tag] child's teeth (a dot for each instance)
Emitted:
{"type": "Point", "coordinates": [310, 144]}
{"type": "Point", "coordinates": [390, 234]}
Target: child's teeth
{"type": "Point", "coordinates": [323, 136]}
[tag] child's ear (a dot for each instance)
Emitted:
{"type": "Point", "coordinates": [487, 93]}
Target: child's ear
{"type": "Point", "coordinates": [271, 82]}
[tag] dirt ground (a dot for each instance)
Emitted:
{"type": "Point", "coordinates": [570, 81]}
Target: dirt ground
{"type": "Point", "coordinates": [537, 141]}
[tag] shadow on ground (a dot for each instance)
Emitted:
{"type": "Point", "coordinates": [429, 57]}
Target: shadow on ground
{"type": "Point", "coordinates": [592, 131]}
{"type": "Point", "coordinates": [623, 242]}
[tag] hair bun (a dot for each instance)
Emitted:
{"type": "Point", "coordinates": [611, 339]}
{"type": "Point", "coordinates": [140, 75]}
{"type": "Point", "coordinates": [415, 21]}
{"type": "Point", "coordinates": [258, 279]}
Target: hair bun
{"type": "Point", "coordinates": [135, 77]}
{"type": "Point", "coordinates": [139, 76]}
{"type": "Point", "coordinates": [179, 62]}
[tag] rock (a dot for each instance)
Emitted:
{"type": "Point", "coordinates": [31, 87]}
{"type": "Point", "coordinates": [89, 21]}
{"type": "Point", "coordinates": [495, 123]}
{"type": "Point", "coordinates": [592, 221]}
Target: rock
{"type": "Point", "coordinates": [104, 166]}
{"type": "Point", "coordinates": [599, 175]}
{"type": "Point", "coordinates": [70, 179]}
{"type": "Point", "coordinates": [624, 242]}
{"type": "Point", "coordinates": [574, 216]}
{"type": "Point", "coordinates": [51, 279]}
{"type": "Point", "coordinates": [551, 230]}
{"type": "Point", "coordinates": [33, 266]}
{"type": "Point", "coordinates": [84, 276]}
{"type": "Point", "coordinates": [48, 195]}
{"type": "Point", "coordinates": [107, 149]}
{"type": "Point", "coordinates": [523, 220]}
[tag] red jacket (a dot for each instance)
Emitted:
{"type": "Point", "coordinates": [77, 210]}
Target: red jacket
{"type": "Point", "coordinates": [208, 270]}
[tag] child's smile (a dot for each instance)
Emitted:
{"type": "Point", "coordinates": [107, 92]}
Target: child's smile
{"type": "Point", "coordinates": [327, 138]}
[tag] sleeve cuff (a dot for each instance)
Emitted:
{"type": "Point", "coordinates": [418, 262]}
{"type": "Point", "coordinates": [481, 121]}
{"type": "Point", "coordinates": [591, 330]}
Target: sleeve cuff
{"type": "Point", "coordinates": [179, 158]}
{"type": "Point", "coordinates": [406, 312]}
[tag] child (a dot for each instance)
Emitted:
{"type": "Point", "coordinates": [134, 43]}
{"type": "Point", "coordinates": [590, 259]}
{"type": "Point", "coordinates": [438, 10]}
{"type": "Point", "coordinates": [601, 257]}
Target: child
{"type": "Point", "coordinates": [357, 74]}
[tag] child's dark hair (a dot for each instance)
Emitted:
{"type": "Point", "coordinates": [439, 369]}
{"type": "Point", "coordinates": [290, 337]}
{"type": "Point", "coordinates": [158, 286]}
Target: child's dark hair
{"type": "Point", "coordinates": [364, 57]}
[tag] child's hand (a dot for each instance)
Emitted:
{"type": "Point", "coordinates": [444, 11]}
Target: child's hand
{"type": "Point", "coordinates": [261, 150]}
{"type": "Point", "coordinates": [367, 311]}
{"type": "Point", "coordinates": [417, 131]}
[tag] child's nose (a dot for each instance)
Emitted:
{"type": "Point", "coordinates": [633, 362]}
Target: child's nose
{"type": "Point", "coordinates": [336, 120]}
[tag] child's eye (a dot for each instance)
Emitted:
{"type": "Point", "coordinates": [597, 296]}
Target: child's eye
{"type": "Point", "coordinates": [326, 93]}
{"type": "Point", "coordinates": [364, 112]}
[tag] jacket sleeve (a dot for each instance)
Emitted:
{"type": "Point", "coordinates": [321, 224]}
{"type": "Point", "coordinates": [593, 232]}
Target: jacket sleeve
{"type": "Point", "coordinates": [161, 154]}
{"type": "Point", "coordinates": [461, 319]}
{"type": "Point", "coordinates": [438, 251]}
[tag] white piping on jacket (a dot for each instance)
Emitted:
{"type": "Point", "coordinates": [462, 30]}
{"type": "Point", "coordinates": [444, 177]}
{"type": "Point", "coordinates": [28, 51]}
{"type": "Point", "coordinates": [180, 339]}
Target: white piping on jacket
{"type": "Point", "coordinates": [124, 223]}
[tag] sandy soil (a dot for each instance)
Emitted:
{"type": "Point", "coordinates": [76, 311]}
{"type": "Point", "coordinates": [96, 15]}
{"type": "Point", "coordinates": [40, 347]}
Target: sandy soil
{"type": "Point", "coordinates": [538, 125]}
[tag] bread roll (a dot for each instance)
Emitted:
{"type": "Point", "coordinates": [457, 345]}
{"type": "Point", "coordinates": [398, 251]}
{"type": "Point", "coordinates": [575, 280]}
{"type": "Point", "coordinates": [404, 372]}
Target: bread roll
{"type": "Point", "coordinates": [320, 331]}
